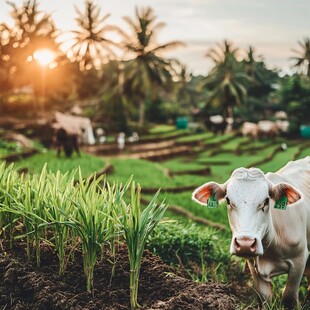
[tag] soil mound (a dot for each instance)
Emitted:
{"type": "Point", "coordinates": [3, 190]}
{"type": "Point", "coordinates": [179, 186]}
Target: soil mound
{"type": "Point", "coordinates": [24, 286]}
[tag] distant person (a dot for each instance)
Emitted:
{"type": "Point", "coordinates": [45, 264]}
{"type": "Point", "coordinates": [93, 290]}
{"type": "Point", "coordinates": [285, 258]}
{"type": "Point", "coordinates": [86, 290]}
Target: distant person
{"type": "Point", "coordinates": [101, 136]}
{"type": "Point", "coordinates": [121, 141]}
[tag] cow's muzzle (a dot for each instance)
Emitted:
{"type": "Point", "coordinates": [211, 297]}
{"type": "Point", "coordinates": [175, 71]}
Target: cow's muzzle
{"type": "Point", "coordinates": [245, 246]}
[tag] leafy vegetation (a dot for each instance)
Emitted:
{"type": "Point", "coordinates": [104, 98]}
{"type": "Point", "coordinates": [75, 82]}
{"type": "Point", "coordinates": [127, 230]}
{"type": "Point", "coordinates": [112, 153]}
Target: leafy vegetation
{"type": "Point", "coordinates": [49, 208]}
{"type": "Point", "coordinates": [7, 148]}
{"type": "Point", "coordinates": [137, 227]}
{"type": "Point", "coordinates": [188, 244]}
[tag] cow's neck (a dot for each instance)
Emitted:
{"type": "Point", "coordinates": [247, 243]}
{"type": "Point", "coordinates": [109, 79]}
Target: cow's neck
{"type": "Point", "coordinates": [270, 238]}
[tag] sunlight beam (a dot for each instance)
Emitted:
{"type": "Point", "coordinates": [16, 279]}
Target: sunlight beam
{"type": "Point", "coordinates": [44, 57]}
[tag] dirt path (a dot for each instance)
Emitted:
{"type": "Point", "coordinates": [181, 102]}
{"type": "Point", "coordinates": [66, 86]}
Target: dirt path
{"type": "Point", "coordinates": [26, 287]}
{"type": "Point", "coordinates": [149, 151]}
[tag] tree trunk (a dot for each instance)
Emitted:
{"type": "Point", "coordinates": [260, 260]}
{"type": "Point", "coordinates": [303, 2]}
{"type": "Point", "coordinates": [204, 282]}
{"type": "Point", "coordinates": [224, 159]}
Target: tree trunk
{"type": "Point", "coordinates": [230, 116]}
{"type": "Point", "coordinates": [141, 113]}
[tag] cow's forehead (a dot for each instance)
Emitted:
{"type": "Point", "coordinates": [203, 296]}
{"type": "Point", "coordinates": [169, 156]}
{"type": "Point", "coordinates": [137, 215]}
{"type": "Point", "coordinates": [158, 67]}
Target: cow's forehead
{"type": "Point", "coordinates": [248, 174]}
{"type": "Point", "coordinates": [247, 186]}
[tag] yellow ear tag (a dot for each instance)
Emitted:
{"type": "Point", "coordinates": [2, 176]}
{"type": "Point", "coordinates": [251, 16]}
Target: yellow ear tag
{"type": "Point", "coordinates": [213, 202]}
{"type": "Point", "coordinates": [281, 203]}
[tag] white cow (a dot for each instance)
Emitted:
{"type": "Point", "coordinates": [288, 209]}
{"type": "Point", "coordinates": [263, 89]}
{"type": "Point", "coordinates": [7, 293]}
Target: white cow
{"type": "Point", "coordinates": [250, 130]}
{"type": "Point", "coordinates": [81, 126]}
{"type": "Point", "coordinates": [283, 126]}
{"type": "Point", "coordinates": [273, 238]}
{"type": "Point", "coordinates": [268, 129]}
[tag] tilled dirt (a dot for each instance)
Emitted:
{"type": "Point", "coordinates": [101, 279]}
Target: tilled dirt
{"type": "Point", "coordinates": [23, 286]}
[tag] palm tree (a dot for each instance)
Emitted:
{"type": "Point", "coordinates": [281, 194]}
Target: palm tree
{"type": "Point", "coordinates": [147, 72]}
{"type": "Point", "coordinates": [254, 66]}
{"type": "Point", "coordinates": [32, 28]}
{"type": "Point", "coordinates": [303, 59]}
{"type": "Point", "coordinates": [6, 62]}
{"type": "Point", "coordinates": [227, 80]}
{"type": "Point", "coordinates": [260, 88]}
{"type": "Point", "coordinates": [186, 91]}
{"type": "Point", "coordinates": [90, 46]}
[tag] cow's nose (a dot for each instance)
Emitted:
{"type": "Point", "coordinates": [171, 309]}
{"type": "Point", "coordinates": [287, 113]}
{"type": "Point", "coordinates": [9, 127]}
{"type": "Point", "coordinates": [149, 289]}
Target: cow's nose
{"type": "Point", "coordinates": [245, 246]}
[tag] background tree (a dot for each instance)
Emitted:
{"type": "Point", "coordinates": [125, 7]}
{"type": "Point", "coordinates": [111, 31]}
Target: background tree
{"type": "Point", "coordinates": [294, 97]}
{"type": "Point", "coordinates": [227, 81]}
{"type": "Point", "coordinates": [186, 92]}
{"type": "Point", "coordinates": [263, 81]}
{"type": "Point", "coordinates": [7, 67]}
{"type": "Point", "coordinates": [113, 109]}
{"type": "Point", "coordinates": [302, 61]}
{"type": "Point", "coordinates": [147, 72]}
{"type": "Point", "coordinates": [90, 44]}
{"type": "Point", "coordinates": [32, 30]}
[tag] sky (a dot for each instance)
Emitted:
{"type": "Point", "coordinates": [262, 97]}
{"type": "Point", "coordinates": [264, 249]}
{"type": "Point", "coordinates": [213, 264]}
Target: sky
{"type": "Point", "coordinates": [273, 27]}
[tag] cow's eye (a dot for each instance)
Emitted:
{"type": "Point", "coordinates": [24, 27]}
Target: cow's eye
{"type": "Point", "coordinates": [227, 200]}
{"type": "Point", "coordinates": [265, 205]}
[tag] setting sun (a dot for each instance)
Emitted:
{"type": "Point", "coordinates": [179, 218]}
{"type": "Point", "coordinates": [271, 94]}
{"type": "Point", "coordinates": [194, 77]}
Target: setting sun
{"type": "Point", "coordinates": [44, 56]}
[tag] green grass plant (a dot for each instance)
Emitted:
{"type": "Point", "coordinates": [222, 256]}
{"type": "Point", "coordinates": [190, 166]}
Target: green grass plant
{"type": "Point", "coordinates": [90, 213]}
{"type": "Point", "coordinates": [91, 220]}
{"type": "Point", "coordinates": [201, 251]}
{"type": "Point", "coordinates": [57, 208]}
{"type": "Point", "coordinates": [10, 182]}
{"type": "Point", "coordinates": [137, 226]}
{"type": "Point", "coordinates": [28, 204]}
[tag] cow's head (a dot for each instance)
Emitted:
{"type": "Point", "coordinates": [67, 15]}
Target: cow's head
{"type": "Point", "coordinates": [249, 196]}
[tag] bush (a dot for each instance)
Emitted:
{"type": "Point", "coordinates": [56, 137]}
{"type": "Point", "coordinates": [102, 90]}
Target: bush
{"type": "Point", "coordinates": [200, 251]}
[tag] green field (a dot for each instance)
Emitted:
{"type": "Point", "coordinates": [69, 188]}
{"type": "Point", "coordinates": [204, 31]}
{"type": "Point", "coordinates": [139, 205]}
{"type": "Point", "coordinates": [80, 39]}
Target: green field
{"type": "Point", "coordinates": [88, 163]}
{"type": "Point", "coordinates": [220, 154]}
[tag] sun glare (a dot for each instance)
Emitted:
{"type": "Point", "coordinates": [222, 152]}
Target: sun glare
{"type": "Point", "coordinates": [44, 57]}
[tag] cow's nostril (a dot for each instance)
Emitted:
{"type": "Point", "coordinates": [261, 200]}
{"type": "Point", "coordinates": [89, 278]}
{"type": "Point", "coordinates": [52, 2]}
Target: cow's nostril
{"type": "Point", "coordinates": [254, 245]}
{"type": "Point", "coordinates": [237, 245]}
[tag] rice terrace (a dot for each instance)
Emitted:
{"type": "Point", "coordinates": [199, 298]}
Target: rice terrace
{"type": "Point", "coordinates": [148, 162]}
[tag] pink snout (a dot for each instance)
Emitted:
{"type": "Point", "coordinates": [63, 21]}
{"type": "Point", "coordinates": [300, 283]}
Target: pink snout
{"type": "Point", "coordinates": [245, 246]}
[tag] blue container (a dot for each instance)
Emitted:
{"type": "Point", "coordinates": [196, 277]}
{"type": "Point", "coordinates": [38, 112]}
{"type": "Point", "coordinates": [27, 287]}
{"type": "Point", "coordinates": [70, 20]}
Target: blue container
{"type": "Point", "coordinates": [182, 123]}
{"type": "Point", "coordinates": [305, 131]}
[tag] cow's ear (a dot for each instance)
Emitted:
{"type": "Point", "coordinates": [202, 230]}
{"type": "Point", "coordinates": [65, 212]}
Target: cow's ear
{"type": "Point", "coordinates": [284, 194]}
{"type": "Point", "coordinates": [209, 194]}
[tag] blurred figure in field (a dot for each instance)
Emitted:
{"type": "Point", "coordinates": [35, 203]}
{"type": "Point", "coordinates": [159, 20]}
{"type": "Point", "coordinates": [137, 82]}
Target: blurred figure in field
{"type": "Point", "coordinates": [121, 141]}
{"type": "Point", "coordinates": [68, 142]}
{"type": "Point", "coordinates": [134, 137]}
{"type": "Point", "coordinates": [101, 136]}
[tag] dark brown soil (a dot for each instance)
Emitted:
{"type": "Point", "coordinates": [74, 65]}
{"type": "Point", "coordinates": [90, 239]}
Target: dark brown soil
{"type": "Point", "coordinates": [23, 286]}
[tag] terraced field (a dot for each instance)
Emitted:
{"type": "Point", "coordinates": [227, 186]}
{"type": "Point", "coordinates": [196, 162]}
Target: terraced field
{"type": "Point", "coordinates": [177, 161]}
{"type": "Point", "coordinates": [211, 158]}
